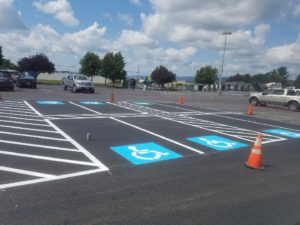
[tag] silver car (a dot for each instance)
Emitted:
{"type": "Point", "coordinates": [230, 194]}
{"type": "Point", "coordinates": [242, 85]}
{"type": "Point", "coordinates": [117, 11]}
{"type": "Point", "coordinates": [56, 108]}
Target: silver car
{"type": "Point", "coordinates": [79, 82]}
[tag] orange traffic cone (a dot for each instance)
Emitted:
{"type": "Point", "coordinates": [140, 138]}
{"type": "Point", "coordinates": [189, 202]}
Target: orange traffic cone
{"type": "Point", "coordinates": [255, 157]}
{"type": "Point", "coordinates": [112, 97]}
{"type": "Point", "coordinates": [250, 110]}
{"type": "Point", "coordinates": [180, 100]}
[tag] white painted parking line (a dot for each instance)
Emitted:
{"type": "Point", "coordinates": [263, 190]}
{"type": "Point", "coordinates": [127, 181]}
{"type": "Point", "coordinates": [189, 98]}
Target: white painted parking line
{"type": "Point", "coordinates": [159, 136]}
{"type": "Point", "coordinates": [88, 166]}
{"type": "Point", "coordinates": [31, 124]}
{"type": "Point", "coordinates": [59, 177]}
{"type": "Point", "coordinates": [149, 132]}
{"type": "Point", "coordinates": [15, 114]}
{"type": "Point", "coordinates": [18, 109]}
{"type": "Point", "coordinates": [254, 122]}
{"type": "Point", "coordinates": [32, 136]}
{"type": "Point", "coordinates": [83, 107]}
{"type": "Point", "coordinates": [30, 129]}
{"type": "Point", "coordinates": [47, 158]}
{"type": "Point", "coordinates": [8, 111]}
{"type": "Point", "coordinates": [26, 172]}
{"type": "Point", "coordinates": [21, 118]}
{"type": "Point", "coordinates": [79, 147]}
{"type": "Point", "coordinates": [229, 130]}
{"type": "Point", "coordinates": [38, 146]}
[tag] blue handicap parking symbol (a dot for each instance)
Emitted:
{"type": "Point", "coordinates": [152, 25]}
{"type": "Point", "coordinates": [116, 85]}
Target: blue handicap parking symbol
{"type": "Point", "coordinates": [91, 103]}
{"type": "Point", "coordinates": [217, 143]}
{"type": "Point", "coordinates": [285, 133]}
{"type": "Point", "coordinates": [144, 153]}
{"type": "Point", "coordinates": [50, 102]}
{"type": "Point", "coordinates": [142, 103]}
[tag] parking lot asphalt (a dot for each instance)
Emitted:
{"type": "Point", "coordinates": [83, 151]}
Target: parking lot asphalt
{"type": "Point", "coordinates": [79, 159]}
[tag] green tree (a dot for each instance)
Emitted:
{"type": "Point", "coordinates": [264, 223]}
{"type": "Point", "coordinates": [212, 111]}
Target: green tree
{"type": "Point", "coordinates": [7, 64]}
{"type": "Point", "coordinates": [161, 75]}
{"type": "Point", "coordinates": [38, 63]}
{"type": "Point", "coordinates": [297, 81]}
{"type": "Point", "coordinates": [206, 75]}
{"type": "Point", "coordinates": [113, 67]}
{"type": "Point", "coordinates": [90, 64]}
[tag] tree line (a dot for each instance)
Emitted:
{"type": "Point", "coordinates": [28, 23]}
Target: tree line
{"type": "Point", "coordinates": [112, 67]}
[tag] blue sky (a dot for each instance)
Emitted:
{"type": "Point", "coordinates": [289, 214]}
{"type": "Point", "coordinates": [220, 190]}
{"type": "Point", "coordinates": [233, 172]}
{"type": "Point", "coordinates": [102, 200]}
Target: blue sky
{"type": "Point", "coordinates": [181, 35]}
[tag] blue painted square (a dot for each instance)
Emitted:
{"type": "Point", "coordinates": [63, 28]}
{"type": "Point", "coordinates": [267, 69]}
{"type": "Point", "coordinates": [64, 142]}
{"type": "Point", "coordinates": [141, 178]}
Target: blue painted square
{"type": "Point", "coordinates": [50, 102]}
{"type": "Point", "coordinates": [285, 133]}
{"type": "Point", "coordinates": [217, 143]}
{"type": "Point", "coordinates": [144, 153]}
{"type": "Point", "coordinates": [91, 103]}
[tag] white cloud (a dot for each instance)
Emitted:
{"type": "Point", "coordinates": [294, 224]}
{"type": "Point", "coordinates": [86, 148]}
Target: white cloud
{"type": "Point", "coordinates": [64, 50]}
{"type": "Point", "coordinates": [136, 2]}
{"type": "Point", "coordinates": [297, 10]}
{"type": "Point", "coordinates": [127, 19]}
{"type": "Point", "coordinates": [10, 18]}
{"type": "Point", "coordinates": [130, 38]}
{"type": "Point", "coordinates": [61, 9]}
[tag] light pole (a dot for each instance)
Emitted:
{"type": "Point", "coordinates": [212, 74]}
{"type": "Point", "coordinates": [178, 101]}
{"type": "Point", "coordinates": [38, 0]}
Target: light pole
{"type": "Point", "coordinates": [226, 33]}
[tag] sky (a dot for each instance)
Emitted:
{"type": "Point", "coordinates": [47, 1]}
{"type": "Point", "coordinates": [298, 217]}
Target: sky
{"type": "Point", "coordinates": [180, 35]}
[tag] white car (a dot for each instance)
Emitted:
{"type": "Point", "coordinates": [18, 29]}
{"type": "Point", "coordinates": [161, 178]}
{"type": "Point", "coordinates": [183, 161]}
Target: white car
{"type": "Point", "coordinates": [284, 97]}
{"type": "Point", "coordinates": [78, 82]}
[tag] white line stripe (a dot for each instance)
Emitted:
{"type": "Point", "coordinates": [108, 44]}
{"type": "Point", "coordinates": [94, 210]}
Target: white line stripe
{"type": "Point", "coordinates": [78, 146]}
{"type": "Point", "coordinates": [27, 110]}
{"type": "Point", "coordinates": [23, 106]}
{"type": "Point", "coordinates": [24, 113]}
{"type": "Point", "coordinates": [94, 111]}
{"type": "Point", "coordinates": [35, 181]}
{"type": "Point", "coordinates": [26, 172]}
{"type": "Point", "coordinates": [17, 114]}
{"type": "Point", "coordinates": [154, 134]}
{"type": "Point", "coordinates": [20, 118]}
{"type": "Point", "coordinates": [31, 129]}
{"type": "Point", "coordinates": [123, 107]}
{"type": "Point", "coordinates": [31, 124]}
{"type": "Point", "coordinates": [160, 136]}
{"type": "Point", "coordinates": [47, 158]}
{"type": "Point", "coordinates": [33, 109]}
{"type": "Point", "coordinates": [254, 122]}
{"type": "Point", "coordinates": [32, 136]}
{"type": "Point", "coordinates": [39, 146]}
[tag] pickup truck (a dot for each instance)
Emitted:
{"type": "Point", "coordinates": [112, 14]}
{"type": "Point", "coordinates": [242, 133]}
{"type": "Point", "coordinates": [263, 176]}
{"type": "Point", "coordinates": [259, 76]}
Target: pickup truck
{"type": "Point", "coordinates": [284, 97]}
{"type": "Point", "coordinates": [78, 82]}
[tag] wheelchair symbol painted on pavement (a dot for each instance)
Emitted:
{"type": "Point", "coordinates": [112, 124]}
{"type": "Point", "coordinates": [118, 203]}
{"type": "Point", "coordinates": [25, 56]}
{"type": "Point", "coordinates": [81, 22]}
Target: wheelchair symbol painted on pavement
{"type": "Point", "coordinates": [285, 133]}
{"type": "Point", "coordinates": [217, 143]}
{"type": "Point", "coordinates": [144, 153]}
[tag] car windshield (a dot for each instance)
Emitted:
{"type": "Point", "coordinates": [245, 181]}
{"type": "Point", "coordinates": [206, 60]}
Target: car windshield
{"type": "Point", "coordinates": [27, 76]}
{"type": "Point", "coordinates": [80, 77]}
{"type": "Point", "coordinates": [4, 74]}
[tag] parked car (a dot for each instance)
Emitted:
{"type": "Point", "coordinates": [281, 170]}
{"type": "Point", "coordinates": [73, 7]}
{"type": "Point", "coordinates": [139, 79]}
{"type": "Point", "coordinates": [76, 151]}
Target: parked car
{"type": "Point", "coordinates": [14, 75]}
{"type": "Point", "coordinates": [6, 80]}
{"type": "Point", "coordinates": [284, 97]}
{"type": "Point", "coordinates": [26, 80]}
{"type": "Point", "coordinates": [78, 82]}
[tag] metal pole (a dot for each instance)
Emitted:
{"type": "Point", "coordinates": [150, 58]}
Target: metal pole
{"type": "Point", "coordinates": [223, 59]}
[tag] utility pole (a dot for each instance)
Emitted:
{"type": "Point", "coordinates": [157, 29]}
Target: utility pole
{"type": "Point", "coordinates": [226, 33]}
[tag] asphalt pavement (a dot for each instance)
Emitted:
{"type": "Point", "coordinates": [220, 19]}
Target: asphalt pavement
{"type": "Point", "coordinates": [70, 158]}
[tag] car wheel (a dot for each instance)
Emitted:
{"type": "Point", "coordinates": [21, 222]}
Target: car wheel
{"type": "Point", "coordinates": [74, 89]}
{"type": "Point", "coordinates": [293, 106]}
{"type": "Point", "coordinates": [253, 101]}
{"type": "Point", "coordinates": [65, 88]}
{"type": "Point", "coordinates": [92, 91]}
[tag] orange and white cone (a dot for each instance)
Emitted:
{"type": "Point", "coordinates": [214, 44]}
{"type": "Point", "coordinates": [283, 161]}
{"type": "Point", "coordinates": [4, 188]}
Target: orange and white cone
{"type": "Point", "coordinates": [255, 157]}
{"type": "Point", "coordinates": [250, 110]}
{"type": "Point", "coordinates": [180, 100]}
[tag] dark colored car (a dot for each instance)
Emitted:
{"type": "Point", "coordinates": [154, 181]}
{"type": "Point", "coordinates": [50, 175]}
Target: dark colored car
{"type": "Point", "coordinates": [6, 80]}
{"type": "Point", "coordinates": [26, 80]}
